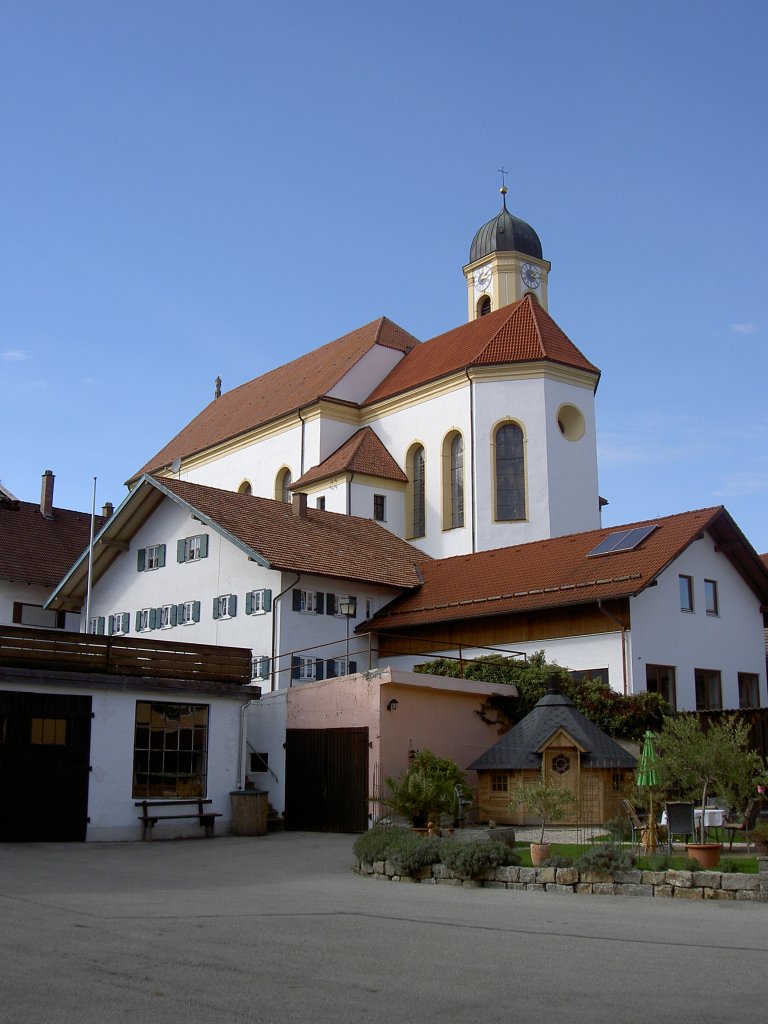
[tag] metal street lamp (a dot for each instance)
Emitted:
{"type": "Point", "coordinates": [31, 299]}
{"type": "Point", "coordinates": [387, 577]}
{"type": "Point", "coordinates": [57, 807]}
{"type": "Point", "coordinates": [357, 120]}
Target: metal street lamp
{"type": "Point", "coordinates": [348, 607]}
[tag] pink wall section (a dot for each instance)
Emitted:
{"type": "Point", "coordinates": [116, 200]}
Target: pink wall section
{"type": "Point", "coordinates": [433, 713]}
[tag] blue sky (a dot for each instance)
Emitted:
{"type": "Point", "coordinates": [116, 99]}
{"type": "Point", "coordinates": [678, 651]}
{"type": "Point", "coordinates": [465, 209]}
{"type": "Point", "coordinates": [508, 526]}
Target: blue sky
{"type": "Point", "coordinates": [169, 168]}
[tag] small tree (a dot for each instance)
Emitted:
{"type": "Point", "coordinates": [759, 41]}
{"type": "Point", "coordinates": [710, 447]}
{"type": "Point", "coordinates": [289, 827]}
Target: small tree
{"type": "Point", "coordinates": [545, 800]}
{"type": "Point", "coordinates": [431, 787]}
{"type": "Point", "coordinates": [717, 759]}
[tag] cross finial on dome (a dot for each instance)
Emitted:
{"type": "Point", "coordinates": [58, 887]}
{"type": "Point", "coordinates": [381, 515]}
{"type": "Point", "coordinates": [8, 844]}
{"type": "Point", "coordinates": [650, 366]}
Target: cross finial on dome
{"type": "Point", "coordinates": [503, 188]}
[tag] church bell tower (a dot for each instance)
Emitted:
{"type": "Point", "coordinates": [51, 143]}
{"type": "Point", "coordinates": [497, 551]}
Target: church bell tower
{"type": "Point", "coordinates": [505, 263]}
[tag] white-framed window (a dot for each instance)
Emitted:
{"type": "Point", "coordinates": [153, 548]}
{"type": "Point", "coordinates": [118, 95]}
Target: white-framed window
{"type": "Point", "coordinates": [368, 607]}
{"type": "Point", "coordinates": [188, 612]}
{"type": "Point", "coordinates": [258, 602]}
{"type": "Point", "coordinates": [225, 606]}
{"type": "Point", "coordinates": [260, 667]}
{"type": "Point", "coordinates": [145, 619]}
{"type": "Point", "coordinates": [168, 616]}
{"type": "Point", "coordinates": [709, 691]}
{"type": "Point", "coordinates": [749, 690]}
{"type": "Point", "coordinates": [380, 508]}
{"type": "Point", "coordinates": [309, 602]}
{"type": "Point", "coordinates": [119, 623]}
{"type": "Point", "coordinates": [339, 667]}
{"type": "Point", "coordinates": [711, 602]}
{"type": "Point", "coordinates": [320, 503]}
{"type": "Point", "coordinates": [192, 549]}
{"type": "Point", "coordinates": [686, 593]}
{"type": "Point", "coordinates": [150, 557]}
{"type": "Point", "coordinates": [96, 624]}
{"type": "Point", "coordinates": [305, 667]}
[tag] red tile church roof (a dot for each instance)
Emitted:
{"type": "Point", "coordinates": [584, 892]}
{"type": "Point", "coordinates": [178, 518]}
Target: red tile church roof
{"type": "Point", "coordinates": [362, 453]}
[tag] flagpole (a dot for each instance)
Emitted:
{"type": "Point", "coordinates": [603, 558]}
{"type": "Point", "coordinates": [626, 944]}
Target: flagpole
{"type": "Point", "coordinates": [90, 562]}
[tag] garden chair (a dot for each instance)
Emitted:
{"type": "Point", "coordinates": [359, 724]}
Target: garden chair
{"type": "Point", "coordinates": [745, 826]}
{"type": "Point", "coordinates": [637, 824]}
{"type": "Point", "coordinates": [680, 820]}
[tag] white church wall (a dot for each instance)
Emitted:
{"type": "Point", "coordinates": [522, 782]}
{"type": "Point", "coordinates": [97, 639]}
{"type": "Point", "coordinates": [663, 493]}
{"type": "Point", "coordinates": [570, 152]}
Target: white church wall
{"type": "Point", "coordinates": [362, 495]}
{"type": "Point", "coordinates": [573, 493]}
{"type": "Point", "coordinates": [729, 642]}
{"type": "Point", "coordinates": [366, 374]}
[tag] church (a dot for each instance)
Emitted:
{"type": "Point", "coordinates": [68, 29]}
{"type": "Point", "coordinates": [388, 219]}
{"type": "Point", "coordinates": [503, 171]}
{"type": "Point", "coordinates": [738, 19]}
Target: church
{"type": "Point", "coordinates": [479, 438]}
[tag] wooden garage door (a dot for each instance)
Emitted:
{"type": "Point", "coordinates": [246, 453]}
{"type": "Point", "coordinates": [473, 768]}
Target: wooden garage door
{"type": "Point", "coordinates": [45, 742]}
{"type": "Point", "coordinates": [326, 780]}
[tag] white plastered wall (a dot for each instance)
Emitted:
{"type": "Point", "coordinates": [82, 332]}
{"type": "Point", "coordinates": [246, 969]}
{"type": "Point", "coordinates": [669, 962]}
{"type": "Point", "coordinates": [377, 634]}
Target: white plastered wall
{"type": "Point", "coordinates": [730, 642]}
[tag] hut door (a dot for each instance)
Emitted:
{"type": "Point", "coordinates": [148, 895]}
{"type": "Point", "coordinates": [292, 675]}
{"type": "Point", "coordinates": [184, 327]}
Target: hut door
{"type": "Point", "coordinates": [563, 770]}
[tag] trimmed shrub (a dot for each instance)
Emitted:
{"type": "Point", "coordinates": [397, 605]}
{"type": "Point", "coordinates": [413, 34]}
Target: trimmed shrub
{"type": "Point", "coordinates": [412, 852]}
{"type": "Point", "coordinates": [605, 859]}
{"type": "Point", "coordinates": [558, 860]}
{"type": "Point", "coordinates": [473, 858]}
{"type": "Point", "coordinates": [377, 843]}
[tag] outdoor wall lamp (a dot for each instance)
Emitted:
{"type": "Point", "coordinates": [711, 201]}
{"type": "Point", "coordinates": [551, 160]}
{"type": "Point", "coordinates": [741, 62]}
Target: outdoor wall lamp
{"type": "Point", "coordinates": [393, 705]}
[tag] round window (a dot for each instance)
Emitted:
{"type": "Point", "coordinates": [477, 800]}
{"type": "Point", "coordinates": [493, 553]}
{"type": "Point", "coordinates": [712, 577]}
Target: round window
{"type": "Point", "coordinates": [561, 763]}
{"type": "Point", "coordinates": [570, 420]}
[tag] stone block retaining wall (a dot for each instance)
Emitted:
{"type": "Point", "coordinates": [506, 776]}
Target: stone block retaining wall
{"type": "Point", "coordinates": [686, 885]}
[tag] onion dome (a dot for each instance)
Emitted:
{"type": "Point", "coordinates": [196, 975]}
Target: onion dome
{"type": "Point", "coordinates": [505, 233]}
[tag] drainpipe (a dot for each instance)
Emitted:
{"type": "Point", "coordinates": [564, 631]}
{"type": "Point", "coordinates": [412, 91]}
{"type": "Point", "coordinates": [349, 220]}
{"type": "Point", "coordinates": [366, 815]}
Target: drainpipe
{"type": "Point", "coordinates": [273, 670]}
{"type": "Point", "coordinates": [301, 458]}
{"type": "Point", "coordinates": [241, 743]}
{"type": "Point", "coordinates": [472, 457]}
{"type": "Point", "coordinates": [349, 492]}
{"type": "Point", "coordinates": [623, 629]}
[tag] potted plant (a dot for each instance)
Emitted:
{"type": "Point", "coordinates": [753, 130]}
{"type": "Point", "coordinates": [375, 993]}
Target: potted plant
{"type": "Point", "coordinates": [430, 788]}
{"type": "Point", "coordinates": [700, 761]}
{"type": "Point", "coordinates": [547, 802]}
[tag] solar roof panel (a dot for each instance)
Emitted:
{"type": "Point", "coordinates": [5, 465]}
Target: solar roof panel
{"type": "Point", "coordinates": [623, 540]}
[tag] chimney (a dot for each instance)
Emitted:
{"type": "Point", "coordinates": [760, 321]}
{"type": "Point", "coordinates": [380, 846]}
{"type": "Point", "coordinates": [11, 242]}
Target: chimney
{"type": "Point", "coordinates": [299, 503]}
{"type": "Point", "coordinates": [107, 509]}
{"type": "Point", "coordinates": [46, 494]}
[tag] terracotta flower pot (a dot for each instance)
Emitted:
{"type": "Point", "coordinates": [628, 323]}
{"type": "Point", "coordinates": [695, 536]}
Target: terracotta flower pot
{"type": "Point", "coordinates": [539, 853]}
{"type": "Point", "coordinates": [707, 854]}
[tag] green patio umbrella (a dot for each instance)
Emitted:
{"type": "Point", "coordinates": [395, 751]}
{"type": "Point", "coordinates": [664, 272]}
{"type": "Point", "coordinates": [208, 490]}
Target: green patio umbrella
{"type": "Point", "coordinates": [648, 776]}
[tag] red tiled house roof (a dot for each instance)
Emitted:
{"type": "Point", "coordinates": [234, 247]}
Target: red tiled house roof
{"type": "Point", "coordinates": [279, 392]}
{"type": "Point", "coordinates": [521, 333]}
{"type": "Point", "coordinates": [364, 452]}
{"type": "Point", "coordinates": [39, 550]}
{"type": "Point", "coordinates": [559, 571]}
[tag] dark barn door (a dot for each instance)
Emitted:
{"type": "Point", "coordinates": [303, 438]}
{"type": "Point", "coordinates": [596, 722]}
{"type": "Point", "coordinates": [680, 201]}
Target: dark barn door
{"type": "Point", "coordinates": [326, 780]}
{"type": "Point", "coordinates": [45, 742]}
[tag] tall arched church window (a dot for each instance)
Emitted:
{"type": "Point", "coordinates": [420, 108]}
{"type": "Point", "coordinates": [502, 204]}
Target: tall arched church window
{"type": "Point", "coordinates": [510, 472]}
{"type": "Point", "coordinates": [416, 493]}
{"type": "Point", "coordinates": [283, 483]}
{"type": "Point", "coordinates": [453, 481]}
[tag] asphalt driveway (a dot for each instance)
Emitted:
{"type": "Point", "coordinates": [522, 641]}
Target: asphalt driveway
{"type": "Point", "coordinates": [278, 929]}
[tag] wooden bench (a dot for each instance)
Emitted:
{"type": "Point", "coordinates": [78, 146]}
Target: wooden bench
{"type": "Point", "coordinates": [149, 818]}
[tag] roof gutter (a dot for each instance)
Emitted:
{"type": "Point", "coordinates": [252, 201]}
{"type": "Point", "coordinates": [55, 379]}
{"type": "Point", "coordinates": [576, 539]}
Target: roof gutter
{"type": "Point", "coordinates": [623, 629]}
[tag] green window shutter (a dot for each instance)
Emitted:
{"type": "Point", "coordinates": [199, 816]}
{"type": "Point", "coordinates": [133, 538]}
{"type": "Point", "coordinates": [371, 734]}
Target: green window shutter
{"type": "Point", "coordinates": [152, 618]}
{"type": "Point", "coordinates": [330, 669]}
{"type": "Point", "coordinates": [138, 621]}
{"type": "Point", "coordinates": [179, 550]}
{"type": "Point", "coordinates": [232, 605]}
{"type": "Point", "coordinates": [160, 556]}
{"type": "Point", "coordinates": [267, 601]}
{"type": "Point", "coordinates": [111, 624]}
{"type": "Point", "coordinates": [249, 603]}
{"type": "Point", "coordinates": [215, 607]}
{"type": "Point", "coordinates": [180, 612]}
{"type": "Point", "coordinates": [196, 611]}
{"type": "Point", "coordinates": [100, 625]}
{"type": "Point", "coordinates": [352, 667]}
{"type": "Point", "coordinates": [126, 622]}
{"type": "Point", "coordinates": [319, 602]}
{"type": "Point", "coordinates": [297, 600]}
{"type": "Point", "coordinates": [142, 559]}
{"type": "Point", "coordinates": [174, 615]}
{"type": "Point", "coordinates": [204, 546]}
{"type": "Point", "coordinates": [295, 667]}
{"type": "Point", "coordinates": [330, 604]}
{"type": "Point", "coordinates": [266, 667]}
{"type": "Point", "coordinates": [319, 666]}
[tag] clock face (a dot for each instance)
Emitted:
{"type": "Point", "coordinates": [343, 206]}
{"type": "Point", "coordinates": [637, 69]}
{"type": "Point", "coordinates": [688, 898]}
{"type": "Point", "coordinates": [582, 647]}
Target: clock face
{"type": "Point", "coordinates": [481, 279]}
{"type": "Point", "coordinates": [531, 275]}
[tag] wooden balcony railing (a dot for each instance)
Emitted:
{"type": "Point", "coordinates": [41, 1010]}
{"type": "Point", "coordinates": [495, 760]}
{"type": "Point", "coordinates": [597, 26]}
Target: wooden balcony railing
{"type": "Point", "coordinates": [60, 651]}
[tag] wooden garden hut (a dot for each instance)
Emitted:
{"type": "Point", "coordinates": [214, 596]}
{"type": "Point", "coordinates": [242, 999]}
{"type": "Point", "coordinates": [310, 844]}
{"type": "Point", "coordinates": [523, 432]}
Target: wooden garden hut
{"type": "Point", "coordinates": [555, 740]}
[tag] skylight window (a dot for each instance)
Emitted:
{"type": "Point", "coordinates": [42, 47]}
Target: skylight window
{"type": "Point", "coordinates": [622, 540]}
